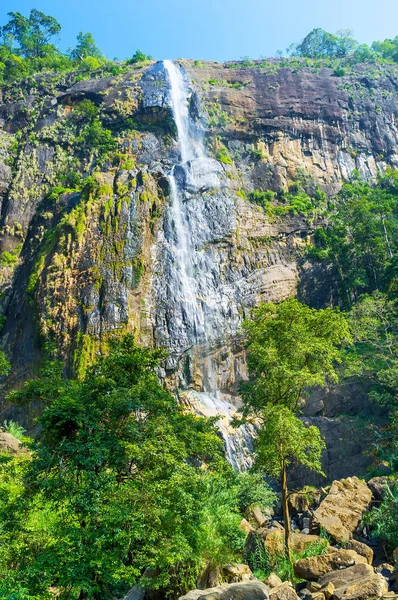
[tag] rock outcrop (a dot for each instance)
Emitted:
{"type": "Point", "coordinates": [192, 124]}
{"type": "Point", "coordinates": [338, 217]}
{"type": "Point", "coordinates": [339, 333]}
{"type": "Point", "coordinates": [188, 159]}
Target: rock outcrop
{"type": "Point", "coordinates": [341, 511]}
{"type": "Point", "coordinates": [90, 234]}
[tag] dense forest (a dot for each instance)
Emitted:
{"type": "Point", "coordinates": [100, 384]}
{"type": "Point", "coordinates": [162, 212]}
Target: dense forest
{"type": "Point", "coordinates": [118, 483]}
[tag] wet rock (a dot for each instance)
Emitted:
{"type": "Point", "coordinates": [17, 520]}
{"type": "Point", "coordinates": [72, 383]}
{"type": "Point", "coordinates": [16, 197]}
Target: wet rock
{"type": "Point", "coordinates": [252, 590]}
{"type": "Point", "coordinates": [200, 175]}
{"type": "Point", "coordinates": [342, 509]}
{"type": "Point", "coordinates": [314, 567]}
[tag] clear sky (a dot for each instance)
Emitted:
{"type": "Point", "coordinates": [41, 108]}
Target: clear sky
{"type": "Point", "coordinates": [209, 29]}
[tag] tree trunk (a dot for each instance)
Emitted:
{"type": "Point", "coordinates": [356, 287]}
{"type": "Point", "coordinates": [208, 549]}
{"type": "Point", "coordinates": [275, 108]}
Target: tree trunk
{"type": "Point", "coordinates": [285, 509]}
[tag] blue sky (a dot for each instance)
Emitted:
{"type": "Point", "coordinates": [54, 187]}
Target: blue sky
{"type": "Point", "coordinates": [210, 29]}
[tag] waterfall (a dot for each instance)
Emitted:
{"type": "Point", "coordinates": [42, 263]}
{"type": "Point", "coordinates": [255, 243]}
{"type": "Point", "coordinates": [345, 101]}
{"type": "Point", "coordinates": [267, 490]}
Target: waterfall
{"type": "Point", "coordinates": [187, 274]}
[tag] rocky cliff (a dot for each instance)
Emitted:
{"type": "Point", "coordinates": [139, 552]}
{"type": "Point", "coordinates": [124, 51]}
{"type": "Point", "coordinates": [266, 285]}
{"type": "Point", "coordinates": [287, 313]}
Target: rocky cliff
{"type": "Point", "coordinates": [86, 225]}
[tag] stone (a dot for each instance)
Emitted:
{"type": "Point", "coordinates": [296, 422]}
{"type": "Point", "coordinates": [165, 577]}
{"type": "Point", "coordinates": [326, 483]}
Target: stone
{"type": "Point", "coordinates": [314, 567]}
{"type": "Point", "coordinates": [370, 588]}
{"type": "Point", "coordinates": [251, 590]}
{"type": "Point", "coordinates": [234, 572]}
{"type": "Point", "coordinates": [378, 486]}
{"type": "Point", "coordinates": [136, 593]}
{"type": "Point", "coordinates": [273, 580]}
{"type": "Point", "coordinates": [302, 501]}
{"type": "Point", "coordinates": [344, 577]}
{"type": "Point", "coordinates": [385, 569]}
{"type": "Point", "coordinates": [258, 516]}
{"type": "Point", "coordinates": [328, 590]}
{"type": "Point", "coordinates": [284, 591]}
{"type": "Point", "coordinates": [305, 531]}
{"type": "Point", "coordinates": [8, 443]}
{"type": "Point", "coordinates": [342, 509]}
{"type": "Point", "coordinates": [245, 525]}
{"type": "Point", "coordinates": [313, 586]}
{"type": "Point", "coordinates": [360, 548]}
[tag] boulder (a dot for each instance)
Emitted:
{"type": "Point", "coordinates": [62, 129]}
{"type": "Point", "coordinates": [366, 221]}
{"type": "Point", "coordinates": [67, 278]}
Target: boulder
{"type": "Point", "coordinates": [369, 588]}
{"type": "Point", "coordinates": [258, 516]}
{"type": "Point", "coordinates": [302, 501]}
{"type": "Point", "coordinates": [245, 525]}
{"type": "Point", "coordinates": [273, 580]}
{"type": "Point", "coordinates": [314, 567]}
{"type": "Point", "coordinates": [8, 443]}
{"type": "Point", "coordinates": [328, 590]}
{"type": "Point", "coordinates": [234, 572]}
{"type": "Point", "coordinates": [378, 486]}
{"type": "Point", "coordinates": [136, 593]}
{"type": "Point", "coordinates": [342, 509]}
{"type": "Point", "coordinates": [361, 548]}
{"type": "Point", "coordinates": [345, 577]}
{"type": "Point", "coordinates": [248, 590]}
{"type": "Point", "coordinates": [385, 570]}
{"type": "Point", "coordinates": [284, 591]}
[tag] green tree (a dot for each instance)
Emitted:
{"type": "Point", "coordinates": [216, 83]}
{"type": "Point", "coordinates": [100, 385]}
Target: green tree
{"type": "Point", "coordinates": [285, 442]}
{"type": "Point", "coordinates": [138, 56]}
{"type": "Point", "coordinates": [360, 241]}
{"type": "Point", "coordinates": [32, 35]}
{"type": "Point", "coordinates": [321, 44]}
{"type": "Point", "coordinates": [4, 364]}
{"type": "Point", "coordinates": [124, 486]}
{"type": "Point", "coordinates": [291, 348]}
{"type": "Point", "coordinates": [86, 47]}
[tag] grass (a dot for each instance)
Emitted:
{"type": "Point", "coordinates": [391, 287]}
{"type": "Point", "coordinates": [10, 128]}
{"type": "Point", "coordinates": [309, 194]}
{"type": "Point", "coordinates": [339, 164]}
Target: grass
{"type": "Point", "coordinates": [14, 429]}
{"type": "Point", "coordinates": [263, 564]}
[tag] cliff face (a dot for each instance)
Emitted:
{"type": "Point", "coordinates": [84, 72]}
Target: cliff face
{"type": "Point", "coordinates": [81, 263]}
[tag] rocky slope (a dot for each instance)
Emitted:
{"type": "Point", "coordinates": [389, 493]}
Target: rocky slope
{"type": "Point", "coordinates": [79, 263]}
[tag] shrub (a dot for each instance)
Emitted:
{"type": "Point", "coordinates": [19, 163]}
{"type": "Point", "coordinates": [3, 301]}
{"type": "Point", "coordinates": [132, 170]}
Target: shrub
{"type": "Point", "coordinates": [224, 156]}
{"type": "Point", "coordinates": [14, 429]}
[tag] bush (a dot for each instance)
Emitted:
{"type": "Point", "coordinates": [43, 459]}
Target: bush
{"type": "Point", "coordinates": [14, 429]}
{"type": "Point", "coordinates": [383, 520]}
{"type": "Point", "coordinates": [224, 156]}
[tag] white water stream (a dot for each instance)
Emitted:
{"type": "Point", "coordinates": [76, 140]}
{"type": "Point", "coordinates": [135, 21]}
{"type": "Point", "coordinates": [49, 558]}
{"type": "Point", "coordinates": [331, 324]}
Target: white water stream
{"type": "Point", "coordinates": [191, 147]}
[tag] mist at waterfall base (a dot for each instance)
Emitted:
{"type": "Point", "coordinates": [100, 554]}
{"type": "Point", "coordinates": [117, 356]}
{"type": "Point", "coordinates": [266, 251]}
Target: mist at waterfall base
{"type": "Point", "coordinates": [208, 402]}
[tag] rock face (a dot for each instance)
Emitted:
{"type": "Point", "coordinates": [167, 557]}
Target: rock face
{"type": "Point", "coordinates": [233, 591]}
{"type": "Point", "coordinates": [92, 261]}
{"type": "Point", "coordinates": [342, 509]}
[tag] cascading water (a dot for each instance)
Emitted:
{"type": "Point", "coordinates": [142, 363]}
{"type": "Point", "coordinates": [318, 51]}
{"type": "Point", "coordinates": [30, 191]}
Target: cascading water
{"type": "Point", "coordinates": [190, 267]}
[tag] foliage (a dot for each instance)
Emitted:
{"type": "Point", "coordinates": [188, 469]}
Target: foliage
{"type": "Point", "coordinates": [224, 156]}
{"type": "Point", "coordinates": [319, 44]}
{"type": "Point", "coordinates": [5, 366]}
{"type": "Point", "coordinates": [360, 240]}
{"type": "Point", "coordinates": [284, 439]}
{"type": "Point", "coordinates": [383, 519]}
{"type": "Point", "coordinates": [31, 35]}
{"type": "Point", "coordinates": [14, 429]}
{"type": "Point", "coordinates": [122, 479]}
{"type": "Point", "coordinates": [137, 57]}
{"type": "Point", "coordinates": [263, 563]}
{"type": "Point", "coordinates": [86, 47]}
{"type": "Point", "coordinates": [290, 347]}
